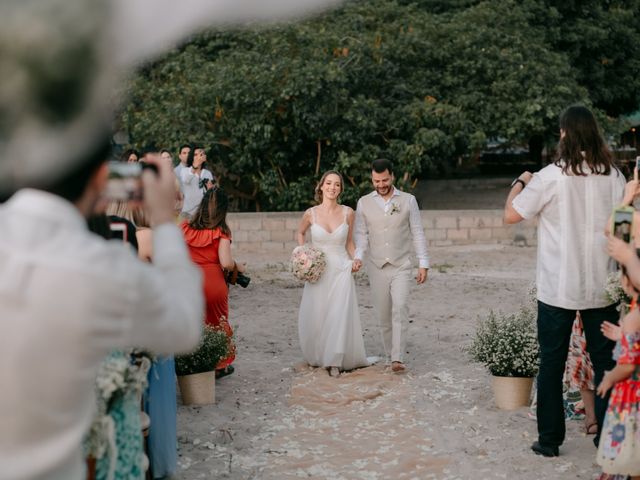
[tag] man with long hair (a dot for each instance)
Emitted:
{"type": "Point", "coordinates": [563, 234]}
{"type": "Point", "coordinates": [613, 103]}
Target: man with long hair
{"type": "Point", "coordinates": [572, 199]}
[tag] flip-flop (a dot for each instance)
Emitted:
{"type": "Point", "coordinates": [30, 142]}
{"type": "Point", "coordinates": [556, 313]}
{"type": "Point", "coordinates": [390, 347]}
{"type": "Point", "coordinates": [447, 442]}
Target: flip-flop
{"type": "Point", "coordinates": [591, 429]}
{"type": "Point", "coordinates": [223, 372]}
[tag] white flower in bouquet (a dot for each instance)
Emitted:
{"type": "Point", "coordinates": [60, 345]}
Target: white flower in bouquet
{"type": "Point", "coordinates": [120, 373]}
{"type": "Point", "coordinates": [308, 263]}
{"type": "Point", "coordinates": [613, 290]}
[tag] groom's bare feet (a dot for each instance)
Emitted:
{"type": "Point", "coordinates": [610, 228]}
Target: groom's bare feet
{"type": "Point", "coordinates": [398, 367]}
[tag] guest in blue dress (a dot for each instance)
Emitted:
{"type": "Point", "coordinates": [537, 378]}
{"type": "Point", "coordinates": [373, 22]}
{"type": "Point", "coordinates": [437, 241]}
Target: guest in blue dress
{"type": "Point", "coordinates": [161, 406]}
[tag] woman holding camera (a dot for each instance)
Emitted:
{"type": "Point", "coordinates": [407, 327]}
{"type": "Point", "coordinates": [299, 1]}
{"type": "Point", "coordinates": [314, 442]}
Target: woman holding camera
{"type": "Point", "coordinates": [195, 181]}
{"type": "Point", "coordinates": [209, 241]}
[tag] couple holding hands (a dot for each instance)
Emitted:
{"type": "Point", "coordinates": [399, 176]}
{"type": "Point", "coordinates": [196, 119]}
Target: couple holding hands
{"type": "Point", "coordinates": [387, 227]}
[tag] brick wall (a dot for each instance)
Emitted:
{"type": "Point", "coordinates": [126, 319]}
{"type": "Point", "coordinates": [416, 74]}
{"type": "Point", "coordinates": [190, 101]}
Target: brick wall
{"type": "Point", "coordinates": [275, 231]}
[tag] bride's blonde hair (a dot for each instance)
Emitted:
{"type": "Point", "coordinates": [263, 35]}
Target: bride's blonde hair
{"type": "Point", "coordinates": [318, 191]}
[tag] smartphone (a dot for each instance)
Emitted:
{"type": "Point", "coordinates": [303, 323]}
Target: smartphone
{"type": "Point", "coordinates": [125, 183]}
{"type": "Point", "coordinates": [622, 220]}
{"type": "Point", "coordinates": [119, 231]}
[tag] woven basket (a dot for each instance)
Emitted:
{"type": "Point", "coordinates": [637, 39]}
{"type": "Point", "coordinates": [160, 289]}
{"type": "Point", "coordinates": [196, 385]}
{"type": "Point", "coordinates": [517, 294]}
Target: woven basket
{"type": "Point", "coordinates": [512, 392]}
{"type": "Point", "coordinates": [198, 389]}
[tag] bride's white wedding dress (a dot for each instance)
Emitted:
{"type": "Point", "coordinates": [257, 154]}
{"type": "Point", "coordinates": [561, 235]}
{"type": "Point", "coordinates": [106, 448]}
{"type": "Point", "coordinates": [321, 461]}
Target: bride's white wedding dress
{"type": "Point", "coordinates": [329, 318]}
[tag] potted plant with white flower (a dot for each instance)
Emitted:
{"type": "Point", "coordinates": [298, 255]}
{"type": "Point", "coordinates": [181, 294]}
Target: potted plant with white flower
{"type": "Point", "coordinates": [507, 345]}
{"type": "Point", "coordinates": [196, 370]}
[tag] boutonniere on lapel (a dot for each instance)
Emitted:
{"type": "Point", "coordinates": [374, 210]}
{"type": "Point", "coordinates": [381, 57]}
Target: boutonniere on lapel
{"type": "Point", "coordinates": [395, 208]}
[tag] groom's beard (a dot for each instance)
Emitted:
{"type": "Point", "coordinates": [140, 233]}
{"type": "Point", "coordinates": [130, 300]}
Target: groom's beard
{"type": "Point", "coordinates": [382, 191]}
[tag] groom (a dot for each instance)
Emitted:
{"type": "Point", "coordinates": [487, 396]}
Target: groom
{"type": "Point", "coordinates": [387, 223]}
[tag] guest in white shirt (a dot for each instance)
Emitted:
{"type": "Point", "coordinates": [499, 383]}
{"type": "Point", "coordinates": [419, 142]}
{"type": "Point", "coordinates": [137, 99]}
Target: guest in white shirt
{"type": "Point", "coordinates": [387, 226]}
{"type": "Point", "coordinates": [67, 298]}
{"type": "Point", "coordinates": [195, 181]}
{"type": "Point", "coordinates": [572, 198]}
{"type": "Point", "coordinates": [183, 156]}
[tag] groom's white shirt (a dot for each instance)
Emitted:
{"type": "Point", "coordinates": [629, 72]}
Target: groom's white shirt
{"type": "Point", "coordinates": [361, 232]}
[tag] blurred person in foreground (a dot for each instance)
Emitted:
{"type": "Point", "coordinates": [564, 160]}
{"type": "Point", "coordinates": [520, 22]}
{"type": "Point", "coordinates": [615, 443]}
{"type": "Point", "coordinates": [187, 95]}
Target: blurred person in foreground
{"type": "Point", "coordinates": [160, 400]}
{"type": "Point", "coordinates": [572, 199]}
{"type": "Point", "coordinates": [68, 298]}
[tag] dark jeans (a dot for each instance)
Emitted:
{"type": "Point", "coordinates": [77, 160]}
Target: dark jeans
{"type": "Point", "coordinates": [554, 332]}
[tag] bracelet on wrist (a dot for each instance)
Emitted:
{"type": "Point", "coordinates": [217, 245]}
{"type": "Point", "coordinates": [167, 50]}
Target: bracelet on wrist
{"type": "Point", "coordinates": [520, 181]}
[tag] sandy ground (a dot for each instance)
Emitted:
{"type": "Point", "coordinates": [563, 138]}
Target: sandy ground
{"type": "Point", "coordinates": [441, 412]}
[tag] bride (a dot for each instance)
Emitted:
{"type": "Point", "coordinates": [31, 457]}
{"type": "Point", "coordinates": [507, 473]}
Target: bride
{"type": "Point", "coordinates": [329, 319]}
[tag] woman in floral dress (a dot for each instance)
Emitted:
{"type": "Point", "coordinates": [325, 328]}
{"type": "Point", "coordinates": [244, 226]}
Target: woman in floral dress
{"type": "Point", "coordinates": [619, 448]}
{"type": "Point", "coordinates": [578, 375]}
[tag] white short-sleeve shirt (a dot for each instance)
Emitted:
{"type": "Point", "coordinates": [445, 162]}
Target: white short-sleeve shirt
{"type": "Point", "coordinates": [67, 298]}
{"type": "Point", "coordinates": [572, 215]}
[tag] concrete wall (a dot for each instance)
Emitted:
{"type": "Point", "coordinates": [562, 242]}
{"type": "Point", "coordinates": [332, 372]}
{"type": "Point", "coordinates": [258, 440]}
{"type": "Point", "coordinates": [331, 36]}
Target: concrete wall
{"type": "Point", "coordinates": [274, 232]}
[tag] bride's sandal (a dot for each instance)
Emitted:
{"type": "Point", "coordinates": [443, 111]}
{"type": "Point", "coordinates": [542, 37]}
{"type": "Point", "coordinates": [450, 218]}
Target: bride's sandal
{"type": "Point", "coordinates": [334, 372]}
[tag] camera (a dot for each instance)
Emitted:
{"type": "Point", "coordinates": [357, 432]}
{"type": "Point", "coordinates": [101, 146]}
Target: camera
{"type": "Point", "coordinates": [125, 182]}
{"type": "Point", "coordinates": [234, 277]}
{"type": "Point", "coordinates": [243, 280]}
{"type": "Point", "coordinates": [622, 220]}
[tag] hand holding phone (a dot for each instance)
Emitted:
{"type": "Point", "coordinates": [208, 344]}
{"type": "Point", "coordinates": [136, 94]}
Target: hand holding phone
{"type": "Point", "coordinates": [622, 223]}
{"type": "Point", "coordinates": [159, 192]}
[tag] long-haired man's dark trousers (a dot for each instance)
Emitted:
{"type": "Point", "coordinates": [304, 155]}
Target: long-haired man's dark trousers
{"type": "Point", "coordinates": [554, 333]}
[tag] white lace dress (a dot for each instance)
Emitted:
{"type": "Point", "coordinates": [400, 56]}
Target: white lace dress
{"type": "Point", "coordinates": [329, 318]}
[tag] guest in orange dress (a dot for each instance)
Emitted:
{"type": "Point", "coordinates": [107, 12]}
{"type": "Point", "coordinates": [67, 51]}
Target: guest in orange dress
{"type": "Point", "coordinates": [209, 241]}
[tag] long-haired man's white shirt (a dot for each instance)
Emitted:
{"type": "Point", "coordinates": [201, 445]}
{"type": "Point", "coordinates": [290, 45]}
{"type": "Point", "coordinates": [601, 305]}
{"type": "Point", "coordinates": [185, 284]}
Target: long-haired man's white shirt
{"type": "Point", "coordinates": [572, 212]}
{"type": "Point", "coordinates": [67, 298]}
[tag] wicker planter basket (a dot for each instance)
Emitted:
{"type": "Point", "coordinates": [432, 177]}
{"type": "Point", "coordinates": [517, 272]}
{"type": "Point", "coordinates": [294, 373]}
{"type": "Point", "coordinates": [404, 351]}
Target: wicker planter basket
{"type": "Point", "coordinates": [512, 392]}
{"type": "Point", "coordinates": [198, 389]}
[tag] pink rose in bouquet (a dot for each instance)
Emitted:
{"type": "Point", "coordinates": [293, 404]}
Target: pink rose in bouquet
{"type": "Point", "coordinates": [308, 263]}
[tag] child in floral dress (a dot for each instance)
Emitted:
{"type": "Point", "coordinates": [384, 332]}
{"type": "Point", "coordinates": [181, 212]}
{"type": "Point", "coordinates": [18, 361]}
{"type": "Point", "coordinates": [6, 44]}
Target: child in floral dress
{"type": "Point", "coordinates": [619, 449]}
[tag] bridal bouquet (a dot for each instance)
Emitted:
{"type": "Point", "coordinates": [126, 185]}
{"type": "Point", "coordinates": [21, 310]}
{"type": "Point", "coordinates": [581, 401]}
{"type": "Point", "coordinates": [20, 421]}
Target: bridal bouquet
{"type": "Point", "coordinates": [308, 263]}
{"type": "Point", "coordinates": [614, 292]}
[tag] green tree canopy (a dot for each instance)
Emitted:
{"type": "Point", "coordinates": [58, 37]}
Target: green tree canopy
{"type": "Point", "coordinates": [423, 84]}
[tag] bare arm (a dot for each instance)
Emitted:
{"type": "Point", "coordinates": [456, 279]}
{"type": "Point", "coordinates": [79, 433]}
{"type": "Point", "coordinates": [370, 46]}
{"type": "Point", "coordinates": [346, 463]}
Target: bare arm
{"type": "Point", "coordinates": [619, 373]}
{"type": "Point", "coordinates": [625, 254]}
{"type": "Point", "coordinates": [144, 236]}
{"type": "Point", "coordinates": [622, 371]}
{"type": "Point", "coordinates": [510, 214]}
{"type": "Point", "coordinates": [304, 225]}
{"type": "Point", "coordinates": [224, 254]}
{"type": "Point", "coordinates": [351, 246]}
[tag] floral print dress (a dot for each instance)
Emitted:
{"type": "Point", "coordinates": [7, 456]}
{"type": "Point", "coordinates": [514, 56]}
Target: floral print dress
{"type": "Point", "coordinates": [619, 450]}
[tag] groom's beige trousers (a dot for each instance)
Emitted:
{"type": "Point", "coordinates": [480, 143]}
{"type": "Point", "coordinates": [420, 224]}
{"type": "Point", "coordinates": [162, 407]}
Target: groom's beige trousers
{"type": "Point", "coordinates": [390, 289]}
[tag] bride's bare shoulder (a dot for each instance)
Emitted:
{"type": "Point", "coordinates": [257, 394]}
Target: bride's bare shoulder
{"type": "Point", "coordinates": [348, 210]}
{"type": "Point", "coordinates": [308, 214]}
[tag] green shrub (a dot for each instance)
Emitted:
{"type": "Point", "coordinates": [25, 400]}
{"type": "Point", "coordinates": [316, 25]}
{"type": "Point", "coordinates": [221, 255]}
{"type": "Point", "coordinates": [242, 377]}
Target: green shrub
{"type": "Point", "coordinates": [213, 347]}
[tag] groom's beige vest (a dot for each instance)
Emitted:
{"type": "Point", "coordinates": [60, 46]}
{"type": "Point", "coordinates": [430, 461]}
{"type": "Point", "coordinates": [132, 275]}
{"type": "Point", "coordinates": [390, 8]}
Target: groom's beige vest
{"type": "Point", "coordinates": [390, 239]}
